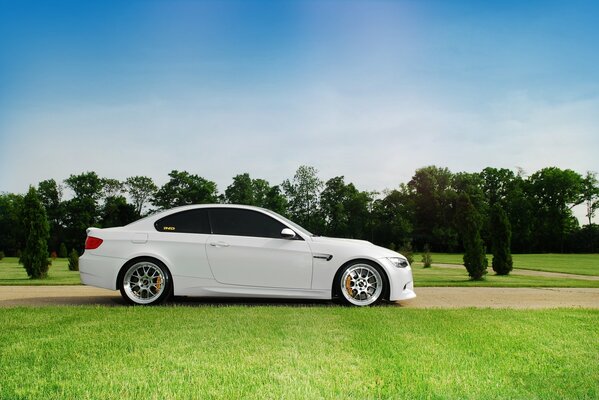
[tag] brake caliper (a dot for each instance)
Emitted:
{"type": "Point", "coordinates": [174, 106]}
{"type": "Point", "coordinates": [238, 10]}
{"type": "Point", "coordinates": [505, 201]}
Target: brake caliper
{"type": "Point", "coordinates": [158, 283]}
{"type": "Point", "coordinates": [348, 286]}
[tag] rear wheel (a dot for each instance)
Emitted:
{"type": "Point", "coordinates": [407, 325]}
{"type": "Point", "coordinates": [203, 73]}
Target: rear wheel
{"type": "Point", "coordinates": [145, 282]}
{"type": "Point", "coordinates": [361, 284]}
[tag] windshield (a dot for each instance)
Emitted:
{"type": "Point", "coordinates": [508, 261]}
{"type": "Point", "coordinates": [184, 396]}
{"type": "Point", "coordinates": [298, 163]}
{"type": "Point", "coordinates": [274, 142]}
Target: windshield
{"type": "Point", "coordinates": [291, 223]}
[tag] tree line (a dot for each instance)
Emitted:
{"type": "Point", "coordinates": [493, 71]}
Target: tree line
{"type": "Point", "coordinates": [437, 209]}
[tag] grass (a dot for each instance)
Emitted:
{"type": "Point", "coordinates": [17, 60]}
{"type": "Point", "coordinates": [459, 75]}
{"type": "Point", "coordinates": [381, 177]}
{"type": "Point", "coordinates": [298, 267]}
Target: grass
{"type": "Point", "coordinates": [12, 273]}
{"type": "Point", "coordinates": [583, 264]}
{"type": "Point", "coordinates": [438, 276]}
{"type": "Point", "coordinates": [297, 353]}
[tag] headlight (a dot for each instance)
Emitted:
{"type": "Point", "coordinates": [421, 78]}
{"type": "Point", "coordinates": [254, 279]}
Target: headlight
{"type": "Point", "coordinates": [399, 262]}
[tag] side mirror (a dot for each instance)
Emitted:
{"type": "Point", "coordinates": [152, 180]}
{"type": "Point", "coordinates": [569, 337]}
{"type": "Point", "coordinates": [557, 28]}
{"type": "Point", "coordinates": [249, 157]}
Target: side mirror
{"type": "Point", "coordinates": [287, 233]}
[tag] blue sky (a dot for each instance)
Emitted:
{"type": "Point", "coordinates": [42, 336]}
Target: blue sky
{"type": "Point", "coordinates": [367, 89]}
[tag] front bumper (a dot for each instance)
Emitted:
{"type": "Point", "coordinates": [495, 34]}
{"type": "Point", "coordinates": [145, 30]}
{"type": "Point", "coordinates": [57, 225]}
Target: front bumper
{"type": "Point", "coordinates": [400, 281]}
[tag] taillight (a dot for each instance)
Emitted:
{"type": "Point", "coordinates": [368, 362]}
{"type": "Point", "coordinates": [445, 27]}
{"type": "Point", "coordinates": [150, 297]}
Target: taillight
{"type": "Point", "coordinates": [92, 243]}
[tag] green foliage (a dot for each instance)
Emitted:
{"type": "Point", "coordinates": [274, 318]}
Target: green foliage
{"type": "Point", "coordinates": [62, 251]}
{"type": "Point", "coordinates": [183, 189]}
{"type": "Point", "coordinates": [117, 212]}
{"type": "Point", "coordinates": [1, 254]}
{"type": "Point", "coordinates": [469, 222]}
{"type": "Point", "coordinates": [74, 261]}
{"type": "Point", "coordinates": [554, 191]}
{"type": "Point", "coordinates": [501, 236]}
{"type": "Point", "coordinates": [427, 258]}
{"type": "Point", "coordinates": [140, 190]}
{"type": "Point", "coordinates": [407, 251]}
{"type": "Point", "coordinates": [590, 194]}
{"type": "Point", "coordinates": [344, 209]}
{"type": "Point", "coordinates": [11, 228]}
{"type": "Point", "coordinates": [303, 193]}
{"type": "Point", "coordinates": [433, 196]}
{"type": "Point", "coordinates": [255, 192]}
{"type": "Point", "coordinates": [35, 226]}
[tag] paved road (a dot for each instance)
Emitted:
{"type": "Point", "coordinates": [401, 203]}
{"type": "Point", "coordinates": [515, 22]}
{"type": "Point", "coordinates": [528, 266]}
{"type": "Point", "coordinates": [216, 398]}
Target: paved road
{"type": "Point", "coordinates": [438, 297]}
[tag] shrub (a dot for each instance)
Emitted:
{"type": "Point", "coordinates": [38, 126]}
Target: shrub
{"type": "Point", "coordinates": [53, 256]}
{"type": "Point", "coordinates": [475, 259]}
{"type": "Point", "coordinates": [427, 259]}
{"type": "Point", "coordinates": [1, 255]}
{"type": "Point", "coordinates": [74, 261]}
{"type": "Point", "coordinates": [407, 252]}
{"type": "Point", "coordinates": [501, 235]}
{"type": "Point", "coordinates": [36, 228]}
{"type": "Point", "coordinates": [62, 251]}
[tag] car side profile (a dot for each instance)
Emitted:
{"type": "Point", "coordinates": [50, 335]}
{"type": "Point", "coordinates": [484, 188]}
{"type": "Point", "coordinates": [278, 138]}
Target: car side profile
{"type": "Point", "coordinates": [238, 251]}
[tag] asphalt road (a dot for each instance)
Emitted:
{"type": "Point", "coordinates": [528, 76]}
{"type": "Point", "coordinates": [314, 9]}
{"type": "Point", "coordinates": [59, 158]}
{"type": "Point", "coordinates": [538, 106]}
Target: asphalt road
{"type": "Point", "coordinates": [428, 297]}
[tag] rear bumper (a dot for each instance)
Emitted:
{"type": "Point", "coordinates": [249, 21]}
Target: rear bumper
{"type": "Point", "coordinates": [99, 271]}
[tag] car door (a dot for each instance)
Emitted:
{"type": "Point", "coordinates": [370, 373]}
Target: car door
{"type": "Point", "coordinates": [246, 248]}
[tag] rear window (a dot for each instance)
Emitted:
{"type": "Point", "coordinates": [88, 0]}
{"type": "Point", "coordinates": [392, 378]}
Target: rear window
{"type": "Point", "coordinates": [190, 221]}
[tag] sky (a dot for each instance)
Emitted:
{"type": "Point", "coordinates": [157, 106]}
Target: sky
{"type": "Point", "coordinates": [371, 90]}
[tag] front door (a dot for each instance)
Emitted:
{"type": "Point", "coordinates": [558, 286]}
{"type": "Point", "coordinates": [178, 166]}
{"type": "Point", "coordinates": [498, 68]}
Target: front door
{"type": "Point", "coordinates": [246, 248]}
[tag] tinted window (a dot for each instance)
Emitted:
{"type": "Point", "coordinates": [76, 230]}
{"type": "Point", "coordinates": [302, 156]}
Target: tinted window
{"type": "Point", "coordinates": [191, 221]}
{"type": "Point", "coordinates": [238, 222]}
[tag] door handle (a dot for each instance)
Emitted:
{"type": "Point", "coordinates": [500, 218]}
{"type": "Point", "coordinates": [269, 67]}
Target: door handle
{"type": "Point", "coordinates": [219, 244]}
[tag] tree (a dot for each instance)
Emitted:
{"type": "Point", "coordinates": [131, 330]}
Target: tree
{"type": "Point", "coordinates": [117, 212]}
{"type": "Point", "coordinates": [433, 197]}
{"type": "Point", "coordinates": [140, 190]}
{"type": "Point", "coordinates": [554, 192]}
{"type": "Point", "coordinates": [344, 209]}
{"type": "Point", "coordinates": [50, 194]}
{"type": "Point", "coordinates": [392, 217]}
{"type": "Point", "coordinates": [35, 226]}
{"type": "Point", "coordinates": [11, 228]}
{"type": "Point", "coordinates": [255, 192]}
{"type": "Point", "coordinates": [82, 211]}
{"type": "Point", "coordinates": [62, 251]}
{"type": "Point", "coordinates": [501, 236]}
{"type": "Point", "coordinates": [74, 260]}
{"type": "Point", "coordinates": [302, 195]}
{"type": "Point", "coordinates": [469, 222]}
{"type": "Point", "coordinates": [184, 189]}
{"type": "Point", "coordinates": [590, 194]}
{"type": "Point", "coordinates": [111, 187]}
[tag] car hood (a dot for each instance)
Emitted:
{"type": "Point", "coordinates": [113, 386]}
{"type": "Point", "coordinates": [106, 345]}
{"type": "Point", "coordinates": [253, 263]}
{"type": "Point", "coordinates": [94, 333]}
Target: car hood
{"type": "Point", "coordinates": [329, 244]}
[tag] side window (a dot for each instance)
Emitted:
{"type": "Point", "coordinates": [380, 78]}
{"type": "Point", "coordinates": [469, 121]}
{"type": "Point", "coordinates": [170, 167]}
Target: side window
{"type": "Point", "coordinates": [190, 221]}
{"type": "Point", "coordinates": [239, 222]}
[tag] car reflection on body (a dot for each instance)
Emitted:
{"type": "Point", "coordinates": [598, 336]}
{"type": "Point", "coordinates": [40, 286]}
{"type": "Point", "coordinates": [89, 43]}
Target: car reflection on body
{"type": "Point", "coordinates": [238, 251]}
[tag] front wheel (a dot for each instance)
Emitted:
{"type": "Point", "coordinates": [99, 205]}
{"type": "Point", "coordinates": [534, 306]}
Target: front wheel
{"type": "Point", "coordinates": [361, 284]}
{"type": "Point", "coordinates": [145, 282]}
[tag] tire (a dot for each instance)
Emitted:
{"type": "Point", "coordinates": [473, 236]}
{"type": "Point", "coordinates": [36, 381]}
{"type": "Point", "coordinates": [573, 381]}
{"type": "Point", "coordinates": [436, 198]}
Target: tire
{"type": "Point", "coordinates": [145, 281]}
{"type": "Point", "coordinates": [361, 283]}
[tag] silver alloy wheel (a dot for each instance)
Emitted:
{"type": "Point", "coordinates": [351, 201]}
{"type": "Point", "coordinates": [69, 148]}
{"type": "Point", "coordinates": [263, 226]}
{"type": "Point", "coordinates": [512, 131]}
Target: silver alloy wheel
{"type": "Point", "coordinates": [144, 282]}
{"type": "Point", "coordinates": [361, 284]}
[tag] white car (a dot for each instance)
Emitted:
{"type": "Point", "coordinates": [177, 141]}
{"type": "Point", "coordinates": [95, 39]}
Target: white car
{"type": "Point", "coordinates": [238, 251]}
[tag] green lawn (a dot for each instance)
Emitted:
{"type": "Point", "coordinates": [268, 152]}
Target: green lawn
{"type": "Point", "coordinates": [12, 273]}
{"type": "Point", "coordinates": [297, 353]}
{"type": "Point", "coordinates": [583, 264]}
{"type": "Point", "coordinates": [438, 276]}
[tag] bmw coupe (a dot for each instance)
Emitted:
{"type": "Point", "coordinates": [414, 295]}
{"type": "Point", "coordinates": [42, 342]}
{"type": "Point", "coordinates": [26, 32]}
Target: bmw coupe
{"type": "Point", "coordinates": [238, 251]}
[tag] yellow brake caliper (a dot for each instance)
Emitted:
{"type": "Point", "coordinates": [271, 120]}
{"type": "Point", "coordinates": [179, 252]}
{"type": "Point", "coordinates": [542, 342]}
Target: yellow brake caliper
{"type": "Point", "coordinates": [158, 283]}
{"type": "Point", "coordinates": [348, 286]}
